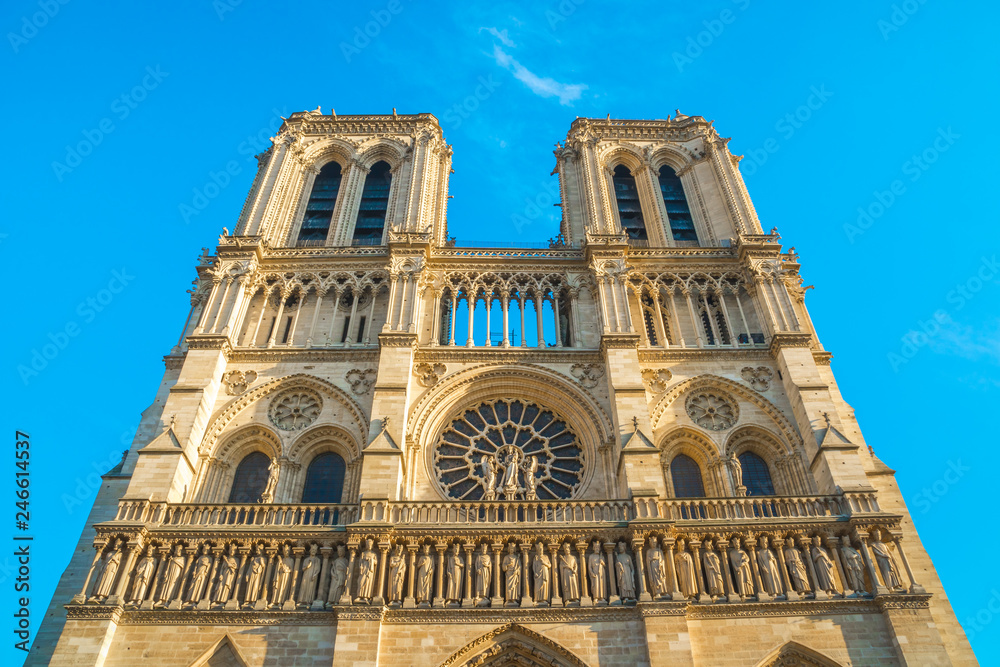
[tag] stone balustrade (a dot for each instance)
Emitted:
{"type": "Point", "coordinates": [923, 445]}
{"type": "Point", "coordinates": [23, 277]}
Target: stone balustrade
{"type": "Point", "coordinates": [235, 514]}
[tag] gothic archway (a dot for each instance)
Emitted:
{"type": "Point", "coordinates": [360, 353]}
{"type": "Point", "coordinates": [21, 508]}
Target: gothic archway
{"type": "Point", "coordinates": [794, 654]}
{"type": "Point", "coordinates": [513, 644]}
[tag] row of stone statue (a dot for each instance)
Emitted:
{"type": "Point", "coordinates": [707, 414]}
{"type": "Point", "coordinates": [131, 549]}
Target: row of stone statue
{"type": "Point", "coordinates": [513, 574]}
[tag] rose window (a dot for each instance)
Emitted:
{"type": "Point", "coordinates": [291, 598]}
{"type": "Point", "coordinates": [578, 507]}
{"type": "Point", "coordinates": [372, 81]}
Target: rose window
{"type": "Point", "coordinates": [712, 411]}
{"type": "Point", "coordinates": [508, 450]}
{"type": "Point", "coordinates": [295, 409]}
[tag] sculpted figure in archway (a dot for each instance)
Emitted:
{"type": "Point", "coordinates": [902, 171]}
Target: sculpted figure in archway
{"type": "Point", "coordinates": [397, 574]}
{"type": "Point", "coordinates": [272, 483]}
{"type": "Point", "coordinates": [143, 575]}
{"type": "Point", "coordinates": [511, 466]}
{"type": "Point", "coordinates": [199, 576]}
{"type": "Point", "coordinates": [309, 577]}
{"type": "Point", "coordinates": [824, 567]}
{"type": "Point", "coordinates": [713, 570]}
{"type": "Point", "coordinates": [172, 578]}
{"type": "Point", "coordinates": [656, 566]}
{"type": "Point", "coordinates": [569, 574]}
{"type": "Point", "coordinates": [488, 467]}
{"type": "Point", "coordinates": [338, 576]}
{"type": "Point", "coordinates": [454, 568]}
{"type": "Point", "coordinates": [109, 570]}
{"type": "Point", "coordinates": [511, 566]}
{"type": "Point", "coordinates": [367, 567]}
{"type": "Point", "coordinates": [542, 567]}
{"type": "Point", "coordinates": [530, 469]}
{"type": "Point", "coordinates": [255, 576]}
{"type": "Point", "coordinates": [597, 568]}
{"type": "Point", "coordinates": [425, 575]}
{"type": "Point", "coordinates": [796, 568]}
{"type": "Point", "coordinates": [854, 567]}
{"type": "Point", "coordinates": [686, 576]}
{"type": "Point", "coordinates": [886, 563]}
{"type": "Point", "coordinates": [770, 574]}
{"type": "Point", "coordinates": [283, 577]}
{"type": "Point", "coordinates": [484, 575]}
{"type": "Point", "coordinates": [227, 575]}
{"type": "Point", "coordinates": [625, 571]}
{"type": "Point", "coordinates": [741, 566]}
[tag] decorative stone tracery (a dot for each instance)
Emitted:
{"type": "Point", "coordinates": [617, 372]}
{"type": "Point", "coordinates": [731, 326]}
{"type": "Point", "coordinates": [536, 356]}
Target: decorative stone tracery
{"type": "Point", "coordinates": [711, 410]}
{"type": "Point", "coordinates": [295, 409]}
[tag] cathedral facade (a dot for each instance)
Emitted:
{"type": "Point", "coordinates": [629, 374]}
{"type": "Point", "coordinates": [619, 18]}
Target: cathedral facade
{"type": "Point", "coordinates": [373, 445]}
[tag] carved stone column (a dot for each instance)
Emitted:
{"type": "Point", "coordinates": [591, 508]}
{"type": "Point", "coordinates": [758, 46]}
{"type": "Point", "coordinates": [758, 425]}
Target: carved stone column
{"type": "Point", "coordinates": [675, 593]}
{"type": "Point", "coordinates": [818, 594]}
{"type": "Point", "coordinates": [206, 599]}
{"type": "Point", "coordinates": [467, 598]}
{"type": "Point", "coordinates": [554, 578]}
{"type": "Point", "coordinates": [324, 578]}
{"type": "Point", "coordinates": [609, 561]}
{"type": "Point", "coordinates": [526, 600]}
{"type": "Point", "coordinates": [439, 571]}
{"type": "Point", "coordinates": [383, 564]}
{"type": "Point", "coordinates": [877, 585]}
{"type": "Point", "coordinates": [585, 599]}
{"type": "Point", "coordinates": [124, 572]}
{"type": "Point", "coordinates": [831, 543]}
{"type": "Point", "coordinates": [915, 588]}
{"type": "Point", "coordinates": [696, 548]}
{"type": "Point", "coordinates": [410, 601]}
{"type": "Point", "coordinates": [289, 604]}
{"type": "Point", "coordinates": [497, 600]}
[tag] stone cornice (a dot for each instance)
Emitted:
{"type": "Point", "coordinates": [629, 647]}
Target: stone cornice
{"type": "Point", "coordinates": [619, 341]}
{"type": "Point", "coordinates": [510, 355]}
{"type": "Point", "coordinates": [397, 339]}
{"type": "Point", "coordinates": [653, 355]}
{"type": "Point", "coordinates": [302, 354]}
{"type": "Point", "coordinates": [782, 339]}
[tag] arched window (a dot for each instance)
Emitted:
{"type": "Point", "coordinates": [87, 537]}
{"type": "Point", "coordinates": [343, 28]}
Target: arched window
{"type": "Point", "coordinates": [686, 476]}
{"type": "Point", "coordinates": [374, 204]}
{"type": "Point", "coordinates": [756, 476]}
{"type": "Point", "coordinates": [324, 479]}
{"type": "Point", "coordinates": [678, 212]}
{"type": "Point", "coordinates": [319, 210]}
{"type": "Point", "coordinates": [250, 478]}
{"type": "Point", "coordinates": [629, 209]}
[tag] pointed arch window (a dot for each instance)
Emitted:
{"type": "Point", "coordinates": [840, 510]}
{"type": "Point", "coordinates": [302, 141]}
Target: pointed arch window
{"type": "Point", "coordinates": [686, 476]}
{"type": "Point", "coordinates": [325, 479]}
{"type": "Point", "coordinates": [678, 211]}
{"type": "Point", "coordinates": [322, 200]}
{"type": "Point", "coordinates": [250, 478]}
{"type": "Point", "coordinates": [374, 204]}
{"type": "Point", "coordinates": [629, 207]}
{"type": "Point", "coordinates": [756, 475]}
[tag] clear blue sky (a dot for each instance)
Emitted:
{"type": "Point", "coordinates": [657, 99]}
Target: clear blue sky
{"type": "Point", "coordinates": [211, 78]}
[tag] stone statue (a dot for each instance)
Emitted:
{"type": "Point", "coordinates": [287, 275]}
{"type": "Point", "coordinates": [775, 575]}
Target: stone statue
{"type": "Point", "coordinates": [542, 567]}
{"type": "Point", "coordinates": [596, 568]}
{"type": "Point", "coordinates": [489, 470]}
{"type": "Point", "coordinates": [454, 568]}
{"type": "Point", "coordinates": [397, 574]}
{"type": "Point", "coordinates": [713, 570]}
{"type": "Point", "coordinates": [484, 574]}
{"type": "Point", "coordinates": [109, 570]}
{"type": "Point", "coordinates": [425, 575]}
{"type": "Point", "coordinates": [227, 575]}
{"type": "Point", "coordinates": [255, 576]}
{"type": "Point", "coordinates": [143, 575]}
{"type": "Point", "coordinates": [309, 577]}
{"type": "Point", "coordinates": [283, 576]}
{"type": "Point", "coordinates": [687, 578]}
{"type": "Point", "coordinates": [625, 573]}
{"type": "Point", "coordinates": [511, 565]}
{"type": "Point", "coordinates": [824, 567]}
{"type": "Point", "coordinates": [656, 565]}
{"type": "Point", "coordinates": [736, 469]}
{"type": "Point", "coordinates": [509, 482]}
{"type": "Point", "coordinates": [886, 563]}
{"type": "Point", "coordinates": [770, 573]}
{"type": "Point", "coordinates": [199, 575]}
{"type": "Point", "coordinates": [854, 567]}
{"type": "Point", "coordinates": [338, 576]}
{"type": "Point", "coordinates": [796, 568]}
{"type": "Point", "coordinates": [367, 567]}
{"type": "Point", "coordinates": [569, 574]}
{"type": "Point", "coordinates": [172, 576]}
{"type": "Point", "coordinates": [741, 566]}
{"type": "Point", "coordinates": [530, 468]}
{"type": "Point", "coordinates": [267, 496]}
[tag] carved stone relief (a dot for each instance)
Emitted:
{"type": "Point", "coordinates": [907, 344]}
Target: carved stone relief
{"type": "Point", "coordinates": [656, 379]}
{"type": "Point", "coordinates": [712, 410]}
{"type": "Point", "coordinates": [758, 378]}
{"type": "Point", "coordinates": [428, 374]}
{"type": "Point", "coordinates": [295, 409]}
{"type": "Point", "coordinates": [237, 382]}
{"type": "Point", "coordinates": [587, 374]}
{"type": "Point", "coordinates": [361, 380]}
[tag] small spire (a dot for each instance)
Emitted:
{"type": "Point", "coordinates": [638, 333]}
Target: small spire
{"type": "Point", "coordinates": [394, 112]}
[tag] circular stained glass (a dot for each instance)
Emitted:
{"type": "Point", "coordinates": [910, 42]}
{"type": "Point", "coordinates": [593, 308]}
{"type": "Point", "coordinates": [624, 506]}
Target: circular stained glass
{"type": "Point", "coordinates": [508, 450]}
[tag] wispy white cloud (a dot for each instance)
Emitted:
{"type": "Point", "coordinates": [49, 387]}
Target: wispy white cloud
{"type": "Point", "coordinates": [962, 340]}
{"type": "Point", "coordinates": [541, 86]}
{"type": "Point", "coordinates": [501, 35]}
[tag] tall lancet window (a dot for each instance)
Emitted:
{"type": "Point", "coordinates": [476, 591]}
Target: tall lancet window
{"type": "Point", "coordinates": [319, 210]}
{"type": "Point", "coordinates": [678, 211]}
{"type": "Point", "coordinates": [629, 209]}
{"type": "Point", "coordinates": [374, 204]}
